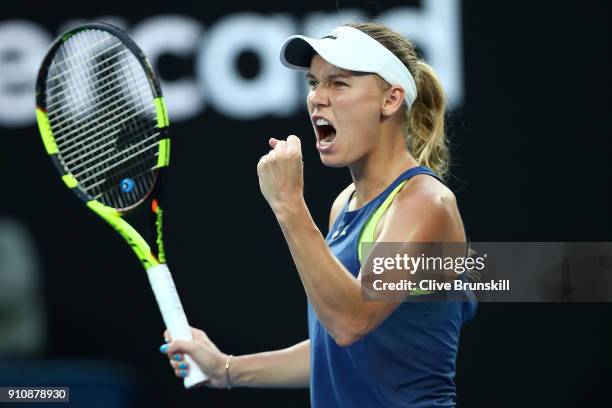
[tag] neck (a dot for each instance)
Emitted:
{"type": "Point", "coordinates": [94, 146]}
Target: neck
{"type": "Point", "coordinates": [375, 171]}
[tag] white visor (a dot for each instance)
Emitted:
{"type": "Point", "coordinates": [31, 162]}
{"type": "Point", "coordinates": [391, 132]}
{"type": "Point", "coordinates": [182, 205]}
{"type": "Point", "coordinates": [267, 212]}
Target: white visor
{"type": "Point", "coordinates": [351, 49]}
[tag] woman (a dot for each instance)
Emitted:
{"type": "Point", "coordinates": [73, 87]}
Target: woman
{"type": "Point", "coordinates": [377, 109]}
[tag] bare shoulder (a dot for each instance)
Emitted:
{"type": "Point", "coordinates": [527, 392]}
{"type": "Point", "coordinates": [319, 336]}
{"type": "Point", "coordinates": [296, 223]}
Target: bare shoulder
{"type": "Point", "coordinates": [339, 203]}
{"type": "Point", "coordinates": [426, 191]}
{"type": "Point", "coordinates": [424, 210]}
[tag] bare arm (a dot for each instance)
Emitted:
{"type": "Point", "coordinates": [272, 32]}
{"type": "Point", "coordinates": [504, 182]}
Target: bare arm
{"type": "Point", "coordinates": [333, 292]}
{"type": "Point", "coordinates": [286, 368]}
{"type": "Point", "coordinates": [425, 214]}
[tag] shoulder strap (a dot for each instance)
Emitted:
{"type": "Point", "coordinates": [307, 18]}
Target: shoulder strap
{"type": "Point", "coordinates": [367, 233]}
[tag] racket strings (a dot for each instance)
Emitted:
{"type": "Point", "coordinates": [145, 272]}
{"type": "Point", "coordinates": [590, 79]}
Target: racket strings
{"type": "Point", "coordinates": [70, 72]}
{"type": "Point", "coordinates": [142, 166]}
{"type": "Point", "coordinates": [96, 44]}
{"type": "Point", "coordinates": [114, 165]}
{"type": "Point", "coordinates": [121, 153]}
{"type": "Point", "coordinates": [116, 195]}
{"type": "Point", "coordinates": [83, 100]}
{"type": "Point", "coordinates": [78, 158]}
{"type": "Point", "coordinates": [97, 78]}
{"type": "Point", "coordinates": [82, 108]}
{"type": "Point", "coordinates": [94, 125]}
{"type": "Point", "coordinates": [75, 84]}
{"type": "Point", "coordinates": [103, 118]}
{"type": "Point", "coordinates": [56, 119]}
{"type": "Point", "coordinates": [140, 189]}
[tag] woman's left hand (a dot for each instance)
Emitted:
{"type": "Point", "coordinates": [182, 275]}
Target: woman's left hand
{"type": "Point", "coordinates": [281, 177]}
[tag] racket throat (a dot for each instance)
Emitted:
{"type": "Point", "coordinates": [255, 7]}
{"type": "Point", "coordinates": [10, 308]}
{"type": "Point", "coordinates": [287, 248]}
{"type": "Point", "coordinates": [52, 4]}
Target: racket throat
{"type": "Point", "coordinates": [158, 217]}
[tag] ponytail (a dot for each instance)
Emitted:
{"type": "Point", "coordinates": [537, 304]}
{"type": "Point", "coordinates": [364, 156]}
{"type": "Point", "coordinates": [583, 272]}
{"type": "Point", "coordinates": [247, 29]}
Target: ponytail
{"type": "Point", "coordinates": [424, 124]}
{"type": "Point", "coordinates": [425, 134]}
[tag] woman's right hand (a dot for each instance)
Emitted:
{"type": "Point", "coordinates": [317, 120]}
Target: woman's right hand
{"type": "Point", "coordinates": [203, 352]}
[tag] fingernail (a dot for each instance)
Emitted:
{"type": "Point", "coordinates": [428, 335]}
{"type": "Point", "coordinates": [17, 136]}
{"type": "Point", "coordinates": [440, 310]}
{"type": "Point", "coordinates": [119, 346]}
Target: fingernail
{"type": "Point", "coordinates": [178, 357]}
{"type": "Point", "coordinates": [166, 339]}
{"type": "Point", "coordinates": [163, 348]}
{"type": "Point", "coordinates": [183, 373]}
{"type": "Point", "coordinates": [183, 365]}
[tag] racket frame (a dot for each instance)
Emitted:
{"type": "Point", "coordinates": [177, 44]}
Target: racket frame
{"type": "Point", "coordinates": [153, 261]}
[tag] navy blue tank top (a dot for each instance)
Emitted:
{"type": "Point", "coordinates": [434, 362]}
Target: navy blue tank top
{"type": "Point", "coordinates": [408, 360]}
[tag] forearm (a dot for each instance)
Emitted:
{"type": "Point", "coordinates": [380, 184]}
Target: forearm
{"type": "Point", "coordinates": [286, 368]}
{"type": "Point", "coordinates": [333, 292]}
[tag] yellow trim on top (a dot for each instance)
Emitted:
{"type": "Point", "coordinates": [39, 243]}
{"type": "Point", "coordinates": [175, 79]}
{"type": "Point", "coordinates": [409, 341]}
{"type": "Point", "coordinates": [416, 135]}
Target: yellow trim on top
{"type": "Point", "coordinates": [163, 156]}
{"type": "Point", "coordinates": [162, 112]}
{"type": "Point", "coordinates": [70, 181]}
{"type": "Point", "coordinates": [45, 131]}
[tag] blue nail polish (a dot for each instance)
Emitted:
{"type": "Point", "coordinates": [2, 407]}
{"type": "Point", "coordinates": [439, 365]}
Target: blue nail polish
{"type": "Point", "coordinates": [183, 373]}
{"type": "Point", "coordinates": [163, 348]}
{"type": "Point", "coordinates": [178, 357]}
{"type": "Point", "coordinates": [183, 365]}
{"type": "Point", "coordinates": [166, 339]}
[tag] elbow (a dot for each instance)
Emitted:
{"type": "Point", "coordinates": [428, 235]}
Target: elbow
{"type": "Point", "coordinates": [346, 340]}
{"type": "Point", "coordinates": [350, 333]}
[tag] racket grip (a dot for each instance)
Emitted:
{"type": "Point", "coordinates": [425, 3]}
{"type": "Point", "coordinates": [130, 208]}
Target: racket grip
{"type": "Point", "coordinates": [174, 317]}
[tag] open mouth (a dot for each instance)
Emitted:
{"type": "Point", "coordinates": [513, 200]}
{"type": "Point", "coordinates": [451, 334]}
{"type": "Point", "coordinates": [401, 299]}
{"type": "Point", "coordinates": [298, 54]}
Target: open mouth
{"type": "Point", "coordinates": [326, 132]}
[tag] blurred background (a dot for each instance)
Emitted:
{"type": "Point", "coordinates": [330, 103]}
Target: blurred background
{"type": "Point", "coordinates": [528, 87]}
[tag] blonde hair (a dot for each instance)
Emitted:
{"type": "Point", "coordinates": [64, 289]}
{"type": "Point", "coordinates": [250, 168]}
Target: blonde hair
{"type": "Point", "coordinates": [424, 121]}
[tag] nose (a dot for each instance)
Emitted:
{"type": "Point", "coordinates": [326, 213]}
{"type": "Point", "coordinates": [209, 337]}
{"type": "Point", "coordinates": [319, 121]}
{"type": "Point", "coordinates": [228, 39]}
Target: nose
{"type": "Point", "coordinates": [318, 97]}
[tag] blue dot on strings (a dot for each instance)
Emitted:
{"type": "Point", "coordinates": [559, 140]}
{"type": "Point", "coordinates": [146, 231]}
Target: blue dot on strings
{"type": "Point", "coordinates": [127, 185]}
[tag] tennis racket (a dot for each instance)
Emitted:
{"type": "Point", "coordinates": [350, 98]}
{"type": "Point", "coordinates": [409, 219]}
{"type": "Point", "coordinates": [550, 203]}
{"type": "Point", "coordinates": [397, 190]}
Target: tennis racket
{"type": "Point", "coordinates": [104, 123]}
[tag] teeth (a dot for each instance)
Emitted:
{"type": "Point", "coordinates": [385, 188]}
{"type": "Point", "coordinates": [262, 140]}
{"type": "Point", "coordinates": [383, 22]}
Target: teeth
{"type": "Point", "coordinates": [322, 122]}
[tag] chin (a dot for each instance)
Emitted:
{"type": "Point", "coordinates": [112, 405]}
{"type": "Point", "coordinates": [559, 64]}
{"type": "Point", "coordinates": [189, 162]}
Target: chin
{"type": "Point", "coordinates": [331, 161]}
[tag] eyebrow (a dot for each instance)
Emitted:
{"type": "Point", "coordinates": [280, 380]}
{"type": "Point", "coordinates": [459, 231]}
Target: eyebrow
{"type": "Point", "coordinates": [310, 76]}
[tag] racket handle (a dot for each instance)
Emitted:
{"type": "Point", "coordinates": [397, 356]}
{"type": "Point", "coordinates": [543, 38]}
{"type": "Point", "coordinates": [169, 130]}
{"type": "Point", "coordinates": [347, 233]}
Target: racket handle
{"type": "Point", "coordinates": [174, 316]}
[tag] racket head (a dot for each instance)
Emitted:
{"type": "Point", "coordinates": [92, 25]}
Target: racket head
{"type": "Point", "coordinates": [102, 116]}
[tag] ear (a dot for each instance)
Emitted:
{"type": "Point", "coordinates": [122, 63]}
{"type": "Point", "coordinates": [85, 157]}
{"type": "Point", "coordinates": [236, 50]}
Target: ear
{"type": "Point", "coordinates": [392, 100]}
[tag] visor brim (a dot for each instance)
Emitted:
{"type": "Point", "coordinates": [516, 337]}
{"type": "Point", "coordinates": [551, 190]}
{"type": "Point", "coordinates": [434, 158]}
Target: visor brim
{"type": "Point", "coordinates": [297, 52]}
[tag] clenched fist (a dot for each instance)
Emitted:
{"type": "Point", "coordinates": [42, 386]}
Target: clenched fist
{"type": "Point", "coordinates": [281, 177]}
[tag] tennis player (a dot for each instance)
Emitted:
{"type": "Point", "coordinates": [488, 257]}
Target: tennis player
{"type": "Point", "coordinates": [378, 109]}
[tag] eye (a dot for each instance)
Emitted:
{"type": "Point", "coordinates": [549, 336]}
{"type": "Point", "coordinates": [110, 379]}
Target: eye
{"type": "Point", "coordinates": [312, 83]}
{"type": "Point", "coordinates": [340, 84]}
